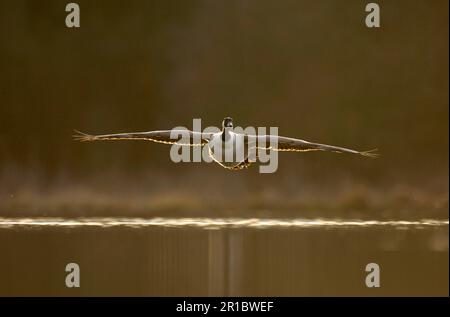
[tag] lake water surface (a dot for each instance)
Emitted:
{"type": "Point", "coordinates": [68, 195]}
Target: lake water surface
{"type": "Point", "coordinates": [222, 256]}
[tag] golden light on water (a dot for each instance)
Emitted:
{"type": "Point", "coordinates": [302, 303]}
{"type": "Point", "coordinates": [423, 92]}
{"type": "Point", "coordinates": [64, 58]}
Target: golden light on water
{"type": "Point", "coordinates": [216, 223]}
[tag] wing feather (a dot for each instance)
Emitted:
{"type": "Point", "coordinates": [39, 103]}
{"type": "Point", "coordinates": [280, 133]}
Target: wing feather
{"type": "Point", "coordinates": [163, 136]}
{"type": "Point", "coordinates": [286, 144]}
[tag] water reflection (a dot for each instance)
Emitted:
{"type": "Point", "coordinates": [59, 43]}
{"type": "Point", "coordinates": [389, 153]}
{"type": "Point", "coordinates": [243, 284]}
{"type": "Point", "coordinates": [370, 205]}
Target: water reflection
{"type": "Point", "coordinates": [216, 223]}
{"type": "Point", "coordinates": [222, 256]}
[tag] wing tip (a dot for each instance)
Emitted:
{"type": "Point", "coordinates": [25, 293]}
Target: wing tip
{"type": "Point", "coordinates": [370, 153]}
{"type": "Point", "coordinates": [83, 137]}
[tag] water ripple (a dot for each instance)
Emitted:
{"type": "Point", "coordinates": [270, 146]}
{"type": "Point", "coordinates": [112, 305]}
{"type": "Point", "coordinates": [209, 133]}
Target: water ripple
{"type": "Point", "coordinates": [216, 223]}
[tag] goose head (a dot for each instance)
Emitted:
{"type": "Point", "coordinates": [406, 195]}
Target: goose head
{"type": "Point", "coordinates": [227, 123]}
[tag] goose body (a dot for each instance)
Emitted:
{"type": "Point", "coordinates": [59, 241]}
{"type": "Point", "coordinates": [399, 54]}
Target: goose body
{"type": "Point", "coordinates": [229, 149]}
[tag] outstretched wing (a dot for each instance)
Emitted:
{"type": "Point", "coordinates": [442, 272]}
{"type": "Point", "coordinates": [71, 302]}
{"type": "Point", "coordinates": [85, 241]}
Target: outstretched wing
{"type": "Point", "coordinates": [180, 137]}
{"type": "Point", "coordinates": [286, 144]}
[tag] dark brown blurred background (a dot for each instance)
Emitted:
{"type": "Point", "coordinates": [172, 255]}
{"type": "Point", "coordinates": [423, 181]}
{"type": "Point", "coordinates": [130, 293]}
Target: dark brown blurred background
{"type": "Point", "coordinates": [312, 68]}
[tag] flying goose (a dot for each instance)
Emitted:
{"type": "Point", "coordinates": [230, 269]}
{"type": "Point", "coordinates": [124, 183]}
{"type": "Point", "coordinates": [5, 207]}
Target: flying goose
{"type": "Point", "coordinates": [226, 135]}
